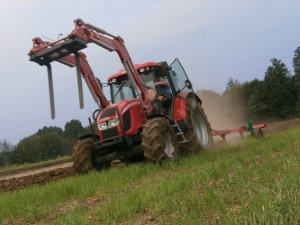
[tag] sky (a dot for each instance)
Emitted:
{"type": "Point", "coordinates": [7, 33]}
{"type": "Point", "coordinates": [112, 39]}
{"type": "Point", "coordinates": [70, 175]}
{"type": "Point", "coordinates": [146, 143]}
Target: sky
{"type": "Point", "coordinates": [214, 39]}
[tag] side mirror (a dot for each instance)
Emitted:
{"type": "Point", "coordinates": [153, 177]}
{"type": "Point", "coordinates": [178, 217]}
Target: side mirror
{"type": "Point", "coordinates": [95, 114]}
{"type": "Point", "coordinates": [188, 84]}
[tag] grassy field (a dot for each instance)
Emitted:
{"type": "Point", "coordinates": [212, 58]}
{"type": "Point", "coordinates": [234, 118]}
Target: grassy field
{"type": "Point", "coordinates": [255, 182]}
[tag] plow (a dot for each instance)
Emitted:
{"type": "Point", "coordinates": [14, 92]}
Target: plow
{"type": "Point", "coordinates": [241, 130]}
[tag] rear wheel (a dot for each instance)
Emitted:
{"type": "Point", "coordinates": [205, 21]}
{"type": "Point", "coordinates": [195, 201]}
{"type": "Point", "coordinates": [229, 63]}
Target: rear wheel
{"type": "Point", "coordinates": [199, 130]}
{"type": "Point", "coordinates": [159, 140]}
{"type": "Point", "coordinates": [82, 155]}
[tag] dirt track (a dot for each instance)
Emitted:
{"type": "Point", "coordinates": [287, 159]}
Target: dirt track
{"type": "Point", "coordinates": [24, 178]}
{"type": "Point", "coordinates": [279, 126]}
{"type": "Point", "coordinates": [15, 179]}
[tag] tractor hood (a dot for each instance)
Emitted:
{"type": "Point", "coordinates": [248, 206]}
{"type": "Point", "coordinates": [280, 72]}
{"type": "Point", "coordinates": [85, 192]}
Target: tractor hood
{"type": "Point", "coordinates": [124, 117]}
{"type": "Point", "coordinates": [117, 109]}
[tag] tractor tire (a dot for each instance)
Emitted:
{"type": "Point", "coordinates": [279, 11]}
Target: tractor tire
{"type": "Point", "coordinates": [159, 140]}
{"type": "Point", "coordinates": [199, 129]}
{"type": "Point", "coordinates": [82, 155]}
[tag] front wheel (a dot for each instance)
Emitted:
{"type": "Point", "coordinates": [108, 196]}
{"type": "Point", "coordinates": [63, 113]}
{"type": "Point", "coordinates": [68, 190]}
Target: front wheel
{"type": "Point", "coordinates": [159, 140]}
{"type": "Point", "coordinates": [82, 155]}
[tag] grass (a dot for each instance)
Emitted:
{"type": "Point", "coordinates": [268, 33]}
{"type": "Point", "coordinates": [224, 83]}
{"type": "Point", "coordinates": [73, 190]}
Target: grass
{"type": "Point", "coordinates": [32, 165]}
{"type": "Point", "coordinates": [255, 182]}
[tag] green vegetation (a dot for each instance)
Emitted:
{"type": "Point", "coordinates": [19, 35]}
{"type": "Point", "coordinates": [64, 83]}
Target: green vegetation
{"type": "Point", "coordinates": [296, 64]}
{"type": "Point", "coordinates": [46, 144]}
{"type": "Point", "coordinates": [255, 182]}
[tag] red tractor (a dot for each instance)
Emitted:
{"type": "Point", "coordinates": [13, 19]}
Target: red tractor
{"type": "Point", "coordinates": [153, 113]}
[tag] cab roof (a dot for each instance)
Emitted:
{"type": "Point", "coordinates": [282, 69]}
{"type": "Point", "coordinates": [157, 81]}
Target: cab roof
{"type": "Point", "coordinates": [137, 67]}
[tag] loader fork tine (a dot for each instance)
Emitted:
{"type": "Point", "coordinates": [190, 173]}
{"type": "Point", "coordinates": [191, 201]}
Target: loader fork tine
{"type": "Point", "coordinates": [51, 91]}
{"type": "Point", "coordinates": [79, 80]}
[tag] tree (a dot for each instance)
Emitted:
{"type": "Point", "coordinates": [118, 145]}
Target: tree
{"type": "Point", "coordinates": [5, 152]}
{"type": "Point", "coordinates": [231, 84]}
{"type": "Point", "coordinates": [47, 130]}
{"type": "Point", "coordinates": [249, 88]}
{"type": "Point", "coordinates": [73, 129]}
{"type": "Point", "coordinates": [234, 103]}
{"type": "Point", "coordinates": [51, 146]}
{"type": "Point", "coordinates": [36, 148]}
{"type": "Point", "coordinates": [5, 146]}
{"type": "Point", "coordinates": [27, 150]}
{"type": "Point", "coordinates": [296, 80]}
{"type": "Point", "coordinates": [274, 98]}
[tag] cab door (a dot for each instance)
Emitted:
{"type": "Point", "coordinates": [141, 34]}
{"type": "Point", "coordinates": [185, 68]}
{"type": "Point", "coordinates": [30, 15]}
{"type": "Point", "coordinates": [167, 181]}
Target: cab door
{"type": "Point", "coordinates": [179, 78]}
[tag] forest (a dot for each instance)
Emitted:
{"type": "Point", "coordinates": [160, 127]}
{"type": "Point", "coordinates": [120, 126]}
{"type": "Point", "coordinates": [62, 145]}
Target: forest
{"type": "Point", "coordinates": [275, 98]}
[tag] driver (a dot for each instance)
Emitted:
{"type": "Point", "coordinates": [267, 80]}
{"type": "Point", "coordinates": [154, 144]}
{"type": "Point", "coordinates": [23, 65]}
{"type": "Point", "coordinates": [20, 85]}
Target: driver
{"type": "Point", "coordinates": [163, 91]}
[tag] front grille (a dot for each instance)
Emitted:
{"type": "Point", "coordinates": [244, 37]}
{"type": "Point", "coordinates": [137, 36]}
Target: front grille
{"type": "Point", "coordinates": [126, 120]}
{"type": "Point", "coordinates": [108, 112]}
{"type": "Point", "coordinates": [110, 133]}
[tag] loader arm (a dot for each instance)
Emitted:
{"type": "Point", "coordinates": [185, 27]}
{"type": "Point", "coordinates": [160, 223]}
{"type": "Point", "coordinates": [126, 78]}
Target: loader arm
{"type": "Point", "coordinates": [67, 51]}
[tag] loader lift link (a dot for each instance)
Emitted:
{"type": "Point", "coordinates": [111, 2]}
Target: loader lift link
{"type": "Point", "coordinates": [137, 123]}
{"type": "Point", "coordinates": [65, 52]}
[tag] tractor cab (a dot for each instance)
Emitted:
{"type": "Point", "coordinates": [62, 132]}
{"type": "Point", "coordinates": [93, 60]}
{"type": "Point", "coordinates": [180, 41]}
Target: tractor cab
{"type": "Point", "coordinates": [163, 84]}
{"type": "Point", "coordinates": [121, 87]}
{"type": "Point", "coordinates": [154, 78]}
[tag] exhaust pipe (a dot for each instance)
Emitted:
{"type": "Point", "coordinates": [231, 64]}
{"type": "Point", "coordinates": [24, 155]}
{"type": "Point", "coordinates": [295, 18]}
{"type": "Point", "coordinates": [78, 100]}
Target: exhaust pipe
{"type": "Point", "coordinates": [51, 92]}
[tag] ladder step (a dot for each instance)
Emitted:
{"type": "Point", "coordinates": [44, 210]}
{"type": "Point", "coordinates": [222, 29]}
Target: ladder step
{"type": "Point", "coordinates": [179, 133]}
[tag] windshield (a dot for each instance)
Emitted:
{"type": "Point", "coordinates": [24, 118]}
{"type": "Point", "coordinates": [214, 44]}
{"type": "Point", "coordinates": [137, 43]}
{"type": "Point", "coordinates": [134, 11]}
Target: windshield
{"type": "Point", "coordinates": [121, 89]}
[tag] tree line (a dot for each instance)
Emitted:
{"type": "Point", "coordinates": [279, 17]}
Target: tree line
{"type": "Point", "coordinates": [276, 97]}
{"type": "Point", "coordinates": [47, 143]}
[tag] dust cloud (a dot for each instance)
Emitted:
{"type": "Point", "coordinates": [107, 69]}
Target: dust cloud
{"type": "Point", "coordinates": [223, 111]}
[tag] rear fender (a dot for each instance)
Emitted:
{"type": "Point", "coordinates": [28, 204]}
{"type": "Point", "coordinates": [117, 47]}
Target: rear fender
{"type": "Point", "coordinates": [180, 102]}
{"type": "Point", "coordinates": [157, 116]}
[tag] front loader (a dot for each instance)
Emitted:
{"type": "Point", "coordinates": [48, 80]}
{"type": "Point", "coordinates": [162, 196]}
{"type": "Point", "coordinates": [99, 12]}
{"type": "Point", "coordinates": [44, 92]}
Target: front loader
{"type": "Point", "coordinates": [153, 111]}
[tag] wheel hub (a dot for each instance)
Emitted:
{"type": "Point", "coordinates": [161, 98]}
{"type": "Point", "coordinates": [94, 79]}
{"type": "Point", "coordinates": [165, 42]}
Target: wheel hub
{"type": "Point", "coordinates": [169, 147]}
{"type": "Point", "coordinates": [200, 128]}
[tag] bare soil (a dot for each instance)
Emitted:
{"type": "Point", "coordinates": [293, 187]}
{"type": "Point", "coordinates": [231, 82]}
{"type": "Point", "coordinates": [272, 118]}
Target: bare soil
{"type": "Point", "coordinates": [21, 179]}
{"type": "Point", "coordinates": [280, 126]}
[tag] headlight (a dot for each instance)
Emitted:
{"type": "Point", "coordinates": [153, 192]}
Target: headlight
{"type": "Point", "coordinates": [110, 123]}
{"type": "Point", "coordinates": [102, 126]}
{"type": "Point", "coordinates": [113, 122]}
